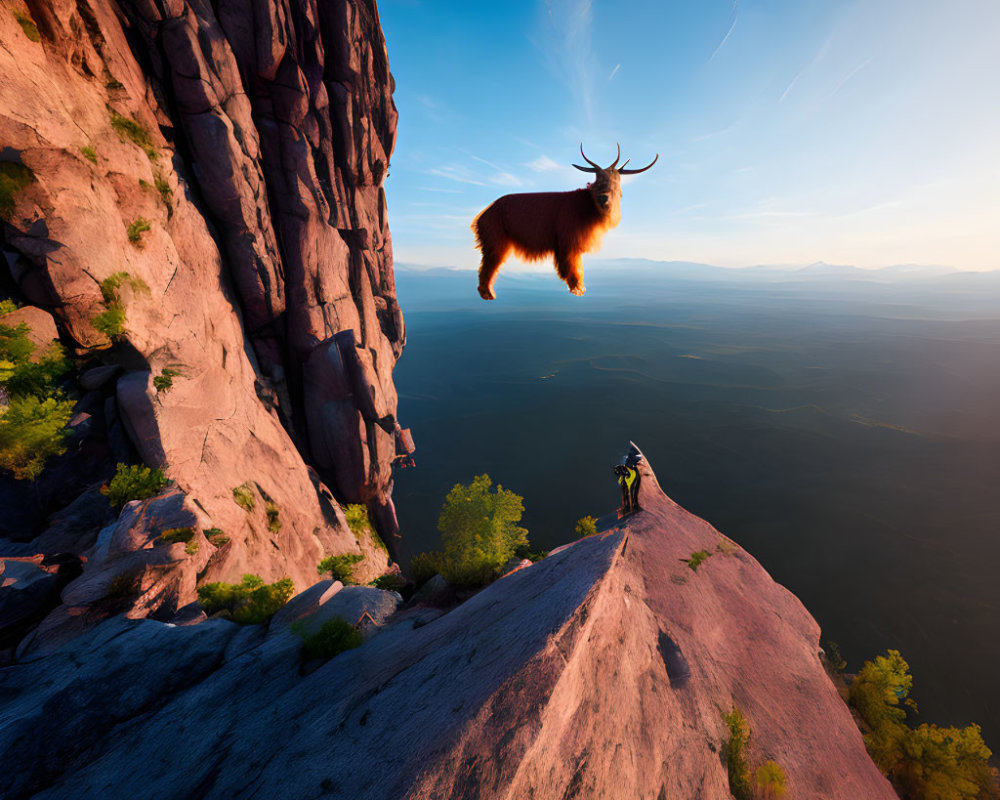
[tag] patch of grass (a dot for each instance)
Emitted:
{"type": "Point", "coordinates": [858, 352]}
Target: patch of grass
{"type": "Point", "coordinates": [165, 380]}
{"type": "Point", "coordinates": [137, 229]}
{"type": "Point", "coordinates": [89, 153]}
{"type": "Point", "coordinates": [244, 498]}
{"type": "Point", "coordinates": [339, 567]}
{"type": "Point", "coordinates": [586, 526]}
{"type": "Point", "coordinates": [273, 520]}
{"type": "Point", "coordinates": [164, 189]}
{"type": "Point", "coordinates": [216, 537]}
{"type": "Point", "coordinates": [174, 535]}
{"type": "Point", "coordinates": [111, 284]}
{"type": "Point", "coordinates": [7, 306]}
{"type": "Point", "coordinates": [334, 637]}
{"type": "Point", "coordinates": [249, 602]}
{"type": "Point", "coordinates": [392, 582]}
{"type": "Point", "coordinates": [13, 178]}
{"type": "Point", "coordinates": [110, 322]}
{"type": "Point", "coordinates": [357, 519]}
{"type": "Point", "coordinates": [191, 548]}
{"type": "Point", "coordinates": [424, 566]}
{"type": "Point", "coordinates": [131, 130]}
{"type": "Point", "coordinates": [696, 559]}
{"type": "Point", "coordinates": [133, 482]}
{"type": "Point", "coordinates": [124, 584]}
{"type": "Point", "coordinates": [27, 25]}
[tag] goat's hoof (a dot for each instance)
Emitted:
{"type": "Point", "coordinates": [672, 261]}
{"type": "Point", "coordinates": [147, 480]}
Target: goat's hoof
{"type": "Point", "coordinates": [487, 293]}
{"type": "Point", "coordinates": [578, 290]}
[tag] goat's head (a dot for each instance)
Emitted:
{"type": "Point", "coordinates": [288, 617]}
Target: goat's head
{"type": "Point", "coordinates": [607, 188]}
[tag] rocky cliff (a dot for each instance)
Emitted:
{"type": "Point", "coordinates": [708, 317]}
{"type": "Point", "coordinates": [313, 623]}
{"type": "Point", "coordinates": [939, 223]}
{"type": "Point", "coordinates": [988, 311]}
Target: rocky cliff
{"type": "Point", "coordinates": [199, 207]}
{"type": "Point", "coordinates": [602, 671]}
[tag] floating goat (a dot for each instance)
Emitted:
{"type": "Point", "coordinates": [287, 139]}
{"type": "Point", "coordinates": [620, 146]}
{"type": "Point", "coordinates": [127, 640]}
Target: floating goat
{"type": "Point", "coordinates": [564, 225]}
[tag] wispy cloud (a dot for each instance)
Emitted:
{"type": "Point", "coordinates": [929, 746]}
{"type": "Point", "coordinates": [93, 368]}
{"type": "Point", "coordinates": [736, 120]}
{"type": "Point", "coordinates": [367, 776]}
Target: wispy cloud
{"type": "Point", "coordinates": [732, 26]}
{"type": "Point", "coordinates": [614, 71]}
{"type": "Point", "coordinates": [455, 172]}
{"type": "Point", "coordinates": [544, 164]}
{"type": "Point", "coordinates": [568, 46]}
{"type": "Point", "coordinates": [851, 74]}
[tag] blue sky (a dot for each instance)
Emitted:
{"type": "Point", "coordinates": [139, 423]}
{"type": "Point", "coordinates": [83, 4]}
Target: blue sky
{"type": "Point", "coordinates": [789, 131]}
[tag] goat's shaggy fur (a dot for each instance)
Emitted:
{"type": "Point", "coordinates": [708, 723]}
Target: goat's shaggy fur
{"type": "Point", "coordinates": [564, 225]}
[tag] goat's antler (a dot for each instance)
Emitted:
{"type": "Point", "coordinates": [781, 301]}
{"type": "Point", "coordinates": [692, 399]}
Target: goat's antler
{"type": "Point", "coordinates": [634, 171]}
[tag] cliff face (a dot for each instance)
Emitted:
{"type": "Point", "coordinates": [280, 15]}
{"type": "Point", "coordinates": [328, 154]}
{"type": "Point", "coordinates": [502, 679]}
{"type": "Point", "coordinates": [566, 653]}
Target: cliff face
{"type": "Point", "coordinates": [602, 671]}
{"type": "Point", "coordinates": [229, 157]}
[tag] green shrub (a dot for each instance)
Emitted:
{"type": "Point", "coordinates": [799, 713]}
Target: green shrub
{"type": "Point", "coordinates": [19, 374]}
{"type": "Point", "coordinates": [586, 526]}
{"type": "Point", "coordinates": [833, 656]}
{"type": "Point", "coordinates": [525, 551]}
{"type": "Point", "coordinates": [165, 380]}
{"type": "Point", "coordinates": [378, 170]}
{"type": "Point", "coordinates": [13, 178]}
{"type": "Point", "coordinates": [243, 495]}
{"type": "Point", "coordinates": [31, 431]}
{"type": "Point", "coordinates": [111, 284]}
{"type": "Point", "coordinates": [132, 131]}
{"type": "Point", "coordinates": [696, 558]}
{"type": "Point", "coordinates": [137, 229]}
{"type": "Point", "coordinates": [124, 584]}
{"type": "Point", "coordinates": [89, 153]}
{"type": "Point", "coordinates": [110, 322]}
{"type": "Point", "coordinates": [27, 25]}
{"type": "Point", "coordinates": [771, 779]}
{"type": "Point", "coordinates": [191, 548]}
{"type": "Point", "coordinates": [249, 602]}
{"type": "Point", "coordinates": [339, 567]}
{"type": "Point", "coordinates": [926, 763]}
{"type": "Point", "coordinates": [173, 535]}
{"type": "Point", "coordinates": [479, 532]}
{"type": "Point", "coordinates": [736, 760]}
{"type": "Point", "coordinates": [273, 521]}
{"type": "Point", "coordinates": [164, 189]}
{"type": "Point", "coordinates": [425, 566]}
{"type": "Point", "coordinates": [216, 537]}
{"type": "Point", "coordinates": [133, 482]}
{"type": "Point", "coordinates": [32, 424]}
{"type": "Point", "coordinates": [391, 582]}
{"type": "Point", "coordinates": [357, 519]}
{"type": "Point", "coordinates": [7, 306]}
{"type": "Point", "coordinates": [334, 637]}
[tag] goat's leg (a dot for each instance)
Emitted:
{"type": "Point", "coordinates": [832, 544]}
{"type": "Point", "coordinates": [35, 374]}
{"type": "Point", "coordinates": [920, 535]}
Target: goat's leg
{"type": "Point", "coordinates": [488, 273]}
{"type": "Point", "coordinates": [570, 269]}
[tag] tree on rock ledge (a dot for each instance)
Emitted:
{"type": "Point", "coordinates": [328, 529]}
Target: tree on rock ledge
{"type": "Point", "coordinates": [479, 532]}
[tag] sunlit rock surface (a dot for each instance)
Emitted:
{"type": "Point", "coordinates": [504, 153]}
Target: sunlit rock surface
{"type": "Point", "coordinates": [601, 671]}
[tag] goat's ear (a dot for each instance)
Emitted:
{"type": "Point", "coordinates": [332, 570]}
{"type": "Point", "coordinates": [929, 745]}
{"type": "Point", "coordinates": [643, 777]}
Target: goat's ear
{"type": "Point", "coordinates": [585, 169]}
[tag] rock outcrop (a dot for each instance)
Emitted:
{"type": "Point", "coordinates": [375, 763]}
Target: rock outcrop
{"type": "Point", "coordinates": [601, 671]}
{"type": "Point", "coordinates": [211, 173]}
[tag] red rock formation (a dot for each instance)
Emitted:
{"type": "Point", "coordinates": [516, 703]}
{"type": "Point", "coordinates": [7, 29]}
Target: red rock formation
{"type": "Point", "coordinates": [252, 139]}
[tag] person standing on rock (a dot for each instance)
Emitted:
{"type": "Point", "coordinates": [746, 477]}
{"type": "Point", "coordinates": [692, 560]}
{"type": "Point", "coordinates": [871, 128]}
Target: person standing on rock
{"type": "Point", "coordinates": [628, 480]}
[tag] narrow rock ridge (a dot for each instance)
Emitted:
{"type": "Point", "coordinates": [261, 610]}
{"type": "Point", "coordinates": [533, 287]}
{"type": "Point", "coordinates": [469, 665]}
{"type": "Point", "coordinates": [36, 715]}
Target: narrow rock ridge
{"type": "Point", "coordinates": [601, 671]}
{"type": "Point", "coordinates": [229, 157]}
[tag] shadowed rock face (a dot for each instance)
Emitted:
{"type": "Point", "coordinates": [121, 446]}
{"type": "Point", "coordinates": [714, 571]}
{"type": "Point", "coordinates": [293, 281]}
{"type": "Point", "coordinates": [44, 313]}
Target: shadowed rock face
{"type": "Point", "coordinates": [245, 144]}
{"type": "Point", "coordinates": [601, 671]}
